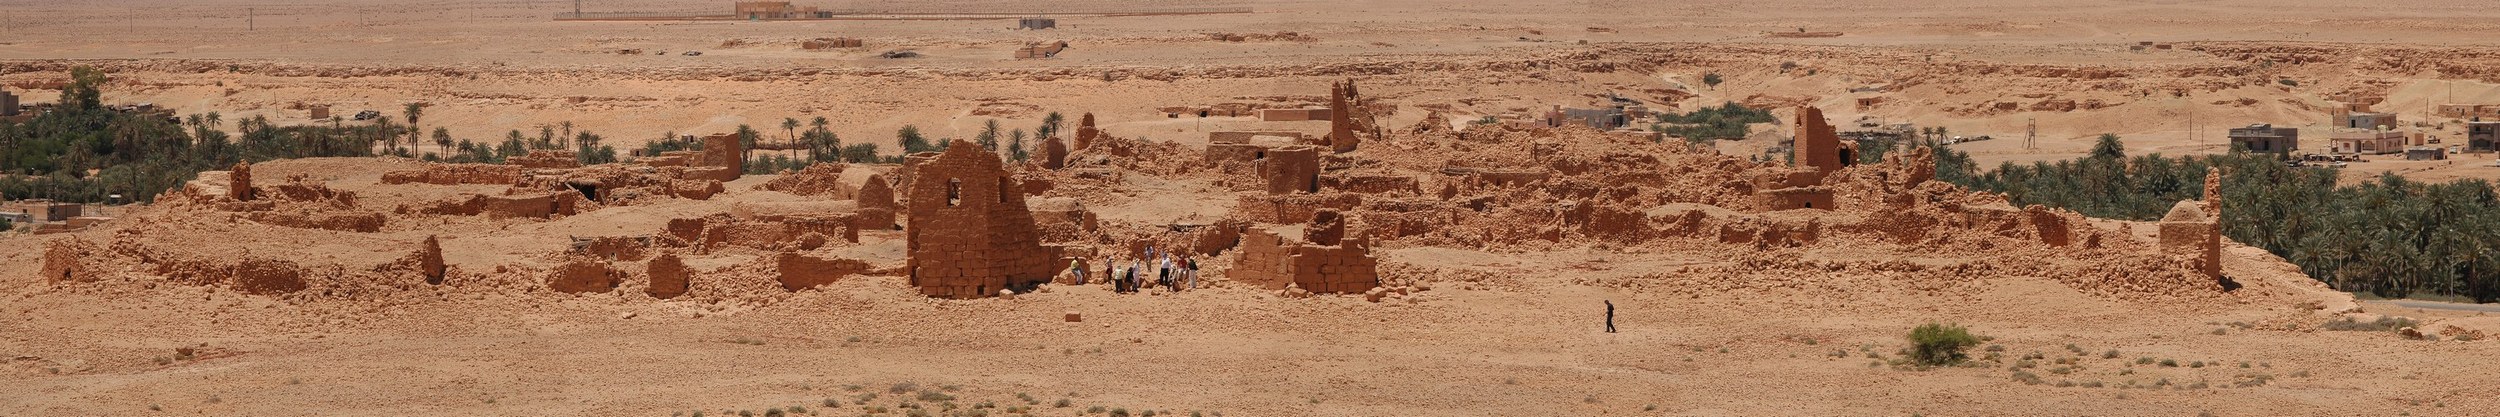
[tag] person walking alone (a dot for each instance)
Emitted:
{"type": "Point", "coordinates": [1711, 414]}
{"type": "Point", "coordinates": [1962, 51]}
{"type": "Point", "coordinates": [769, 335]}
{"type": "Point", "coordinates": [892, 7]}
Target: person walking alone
{"type": "Point", "coordinates": [1610, 316]}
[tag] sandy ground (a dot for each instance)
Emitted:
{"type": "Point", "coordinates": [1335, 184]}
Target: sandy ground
{"type": "Point", "coordinates": [1527, 342]}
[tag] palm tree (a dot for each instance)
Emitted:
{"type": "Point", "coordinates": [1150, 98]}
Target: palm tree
{"type": "Point", "coordinates": [442, 138]}
{"type": "Point", "coordinates": [568, 128]}
{"type": "Point", "coordinates": [382, 130]}
{"type": "Point", "coordinates": [413, 111]}
{"type": "Point", "coordinates": [1050, 125]}
{"type": "Point", "coordinates": [790, 130]}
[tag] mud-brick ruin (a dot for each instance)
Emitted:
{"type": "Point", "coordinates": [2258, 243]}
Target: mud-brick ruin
{"type": "Point", "coordinates": [1297, 213]}
{"type": "Point", "coordinates": [1322, 260]}
{"type": "Point", "coordinates": [969, 233]}
{"type": "Point", "coordinates": [2192, 230]}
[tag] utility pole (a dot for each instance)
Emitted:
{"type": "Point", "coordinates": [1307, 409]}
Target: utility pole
{"type": "Point", "coordinates": [577, 9]}
{"type": "Point", "coordinates": [2031, 136]}
{"type": "Point", "coordinates": [251, 19]}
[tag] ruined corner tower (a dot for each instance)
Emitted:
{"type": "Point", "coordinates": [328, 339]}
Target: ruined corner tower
{"type": "Point", "coordinates": [1818, 145]}
{"type": "Point", "coordinates": [1341, 104]}
{"type": "Point", "coordinates": [969, 233]}
{"type": "Point", "coordinates": [1085, 132]}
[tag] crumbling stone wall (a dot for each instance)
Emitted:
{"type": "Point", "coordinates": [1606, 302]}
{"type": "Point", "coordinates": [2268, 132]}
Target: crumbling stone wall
{"type": "Point", "coordinates": [724, 157]}
{"type": "Point", "coordinates": [1341, 126]}
{"type": "Point", "coordinates": [546, 159]}
{"type": "Point", "coordinates": [1371, 184]}
{"type": "Point", "coordinates": [454, 174]}
{"type": "Point", "coordinates": [970, 233]}
{"type": "Point", "coordinates": [584, 275]}
{"type": "Point", "coordinates": [1085, 132]}
{"type": "Point", "coordinates": [1274, 261]}
{"type": "Point", "coordinates": [1063, 219]}
{"type": "Point", "coordinates": [239, 182]}
{"type": "Point", "coordinates": [362, 222]}
{"type": "Point", "coordinates": [1290, 170]}
{"type": "Point", "coordinates": [525, 206]}
{"type": "Point", "coordinates": [799, 272]}
{"type": "Point", "coordinates": [669, 276]}
{"type": "Point", "coordinates": [430, 260]}
{"type": "Point", "coordinates": [1295, 208]}
{"type": "Point", "coordinates": [1818, 145]}
{"type": "Point", "coordinates": [1814, 197]}
{"type": "Point", "coordinates": [876, 204]}
{"type": "Point", "coordinates": [1054, 153]}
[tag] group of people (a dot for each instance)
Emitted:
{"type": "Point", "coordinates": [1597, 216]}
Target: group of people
{"type": "Point", "coordinates": [1169, 272]}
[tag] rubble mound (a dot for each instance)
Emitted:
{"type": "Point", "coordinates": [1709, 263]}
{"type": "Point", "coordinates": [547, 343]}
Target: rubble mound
{"type": "Point", "coordinates": [820, 179]}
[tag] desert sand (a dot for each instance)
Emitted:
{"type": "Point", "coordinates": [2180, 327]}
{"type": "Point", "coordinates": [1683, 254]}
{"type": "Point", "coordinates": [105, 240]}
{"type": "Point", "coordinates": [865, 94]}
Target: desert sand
{"type": "Point", "coordinates": [1491, 292]}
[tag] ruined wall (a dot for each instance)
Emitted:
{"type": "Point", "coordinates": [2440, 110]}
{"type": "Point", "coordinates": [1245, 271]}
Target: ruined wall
{"type": "Point", "coordinates": [2187, 232]}
{"type": "Point", "coordinates": [1341, 126]}
{"type": "Point", "coordinates": [725, 155]}
{"type": "Point", "coordinates": [546, 159]}
{"type": "Point", "coordinates": [876, 204]}
{"type": "Point", "coordinates": [454, 174]}
{"type": "Point", "coordinates": [584, 275]}
{"type": "Point", "coordinates": [526, 206]}
{"type": "Point", "coordinates": [1086, 133]}
{"type": "Point", "coordinates": [799, 272]}
{"type": "Point", "coordinates": [1294, 115]}
{"type": "Point", "coordinates": [239, 182]}
{"type": "Point", "coordinates": [362, 222]}
{"type": "Point", "coordinates": [1815, 197]}
{"type": "Point", "coordinates": [1273, 261]}
{"type": "Point", "coordinates": [1817, 145]}
{"type": "Point", "coordinates": [1245, 137]}
{"type": "Point", "coordinates": [1290, 170]}
{"type": "Point", "coordinates": [1371, 184]}
{"type": "Point", "coordinates": [970, 233]}
{"type": "Point", "coordinates": [1054, 153]}
{"type": "Point", "coordinates": [669, 276]}
{"type": "Point", "coordinates": [1297, 208]}
{"type": "Point", "coordinates": [1063, 219]}
{"type": "Point", "coordinates": [430, 260]}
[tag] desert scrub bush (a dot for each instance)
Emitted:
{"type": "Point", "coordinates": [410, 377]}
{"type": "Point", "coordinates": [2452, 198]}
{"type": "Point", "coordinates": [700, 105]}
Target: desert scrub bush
{"type": "Point", "coordinates": [1934, 344]}
{"type": "Point", "coordinates": [2382, 324]}
{"type": "Point", "coordinates": [902, 388]}
{"type": "Point", "coordinates": [2027, 378]}
{"type": "Point", "coordinates": [2169, 363]}
{"type": "Point", "coordinates": [2111, 354]}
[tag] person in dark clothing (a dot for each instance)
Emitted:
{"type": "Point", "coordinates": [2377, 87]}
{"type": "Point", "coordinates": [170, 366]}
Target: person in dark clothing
{"type": "Point", "coordinates": [1610, 316]}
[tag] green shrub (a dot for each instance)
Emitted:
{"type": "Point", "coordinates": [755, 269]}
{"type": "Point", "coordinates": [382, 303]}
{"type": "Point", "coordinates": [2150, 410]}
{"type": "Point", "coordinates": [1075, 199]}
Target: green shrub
{"type": "Point", "coordinates": [1936, 344]}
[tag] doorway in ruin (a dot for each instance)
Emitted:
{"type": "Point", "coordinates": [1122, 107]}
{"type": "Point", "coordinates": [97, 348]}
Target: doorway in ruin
{"type": "Point", "coordinates": [589, 191]}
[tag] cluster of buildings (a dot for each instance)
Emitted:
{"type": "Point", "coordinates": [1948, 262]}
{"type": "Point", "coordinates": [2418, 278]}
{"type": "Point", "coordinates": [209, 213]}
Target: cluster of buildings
{"type": "Point", "coordinates": [2356, 130]}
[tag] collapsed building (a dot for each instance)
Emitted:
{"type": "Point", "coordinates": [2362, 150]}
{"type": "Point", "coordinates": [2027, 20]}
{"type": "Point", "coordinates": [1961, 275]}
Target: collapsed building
{"type": "Point", "coordinates": [969, 233]}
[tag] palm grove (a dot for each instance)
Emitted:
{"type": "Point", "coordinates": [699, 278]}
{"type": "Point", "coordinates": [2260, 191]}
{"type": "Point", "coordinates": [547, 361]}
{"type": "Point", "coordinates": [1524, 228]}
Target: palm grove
{"type": "Point", "coordinates": [84, 151]}
{"type": "Point", "coordinates": [2389, 236]}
